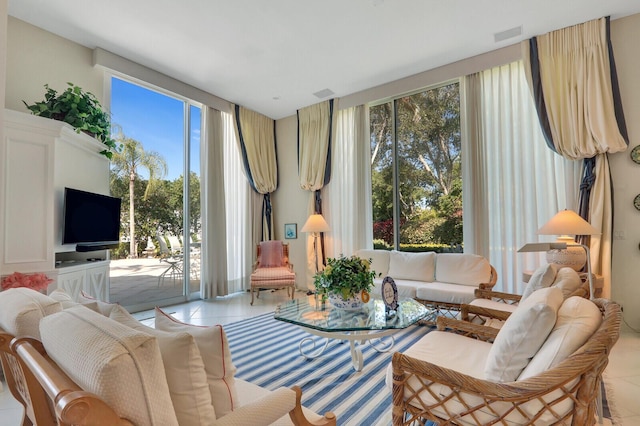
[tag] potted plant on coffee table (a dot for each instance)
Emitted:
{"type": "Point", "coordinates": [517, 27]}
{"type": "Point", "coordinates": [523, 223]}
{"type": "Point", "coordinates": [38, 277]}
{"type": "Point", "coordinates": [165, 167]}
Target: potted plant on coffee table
{"type": "Point", "coordinates": [81, 110]}
{"type": "Point", "coordinates": [346, 282]}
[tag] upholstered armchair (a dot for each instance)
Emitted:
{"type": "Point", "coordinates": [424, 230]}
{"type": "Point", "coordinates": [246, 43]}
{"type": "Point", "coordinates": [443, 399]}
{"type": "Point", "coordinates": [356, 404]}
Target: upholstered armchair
{"type": "Point", "coordinates": [544, 366]}
{"type": "Point", "coordinates": [272, 268]}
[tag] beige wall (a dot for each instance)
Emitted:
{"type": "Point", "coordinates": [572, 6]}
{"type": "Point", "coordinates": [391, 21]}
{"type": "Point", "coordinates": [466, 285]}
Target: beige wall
{"type": "Point", "coordinates": [36, 57]}
{"type": "Point", "coordinates": [625, 282]}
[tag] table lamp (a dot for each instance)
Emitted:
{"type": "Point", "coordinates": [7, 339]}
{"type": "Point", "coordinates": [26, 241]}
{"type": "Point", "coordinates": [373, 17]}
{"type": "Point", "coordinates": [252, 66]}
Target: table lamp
{"type": "Point", "coordinates": [315, 225]}
{"type": "Point", "coordinates": [564, 224]}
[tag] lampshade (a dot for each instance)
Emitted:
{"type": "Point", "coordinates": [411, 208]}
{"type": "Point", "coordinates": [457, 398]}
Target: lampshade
{"type": "Point", "coordinates": [315, 223]}
{"type": "Point", "coordinates": [567, 222]}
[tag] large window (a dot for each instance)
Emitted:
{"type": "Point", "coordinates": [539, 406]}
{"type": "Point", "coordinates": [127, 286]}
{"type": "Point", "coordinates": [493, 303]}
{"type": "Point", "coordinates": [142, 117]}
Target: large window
{"type": "Point", "coordinates": [416, 170]}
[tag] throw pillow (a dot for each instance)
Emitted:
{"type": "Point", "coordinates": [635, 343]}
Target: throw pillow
{"type": "Point", "coordinates": [121, 365]}
{"type": "Point", "coordinates": [542, 277]}
{"type": "Point", "coordinates": [271, 254]}
{"type": "Point", "coordinates": [522, 334]}
{"type": "Point", "coordinates": [67, 301]}
{"type": "Point", "coordinates": [214, 349]}
{"type": "Point", "coordinates": [184, 368]}
{"type": "Point", "coordinates": [568, 281]}
{"type": "Point", "coordinates": [21, 310]}
{"type": "Point", "coordinates": [104, 308]}
{"type": "Point", "coordinates": [412, 266]}
{"type": "Point", "coordinates": [578, 319]}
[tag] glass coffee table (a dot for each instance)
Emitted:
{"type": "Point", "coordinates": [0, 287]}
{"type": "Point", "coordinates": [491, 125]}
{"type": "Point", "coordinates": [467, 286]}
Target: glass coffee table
{"type": "Point", "coordinates": [367, 325]}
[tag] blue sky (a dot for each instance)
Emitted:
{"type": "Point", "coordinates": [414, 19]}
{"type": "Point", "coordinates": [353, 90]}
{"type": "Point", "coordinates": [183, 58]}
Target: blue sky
{"type": "Point", "coordinates": [157, 121]}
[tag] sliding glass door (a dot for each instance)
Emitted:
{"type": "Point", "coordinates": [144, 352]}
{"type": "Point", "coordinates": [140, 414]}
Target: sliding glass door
{"type": "Point", "coordinates": [159, 135]}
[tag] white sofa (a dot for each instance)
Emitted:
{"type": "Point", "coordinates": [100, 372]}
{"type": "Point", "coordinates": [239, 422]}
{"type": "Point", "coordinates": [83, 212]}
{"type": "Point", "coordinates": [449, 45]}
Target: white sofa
{"type": "Point", "coordinates": [442, 281]}
{"type": "Point", "coordinates": [96, 366]}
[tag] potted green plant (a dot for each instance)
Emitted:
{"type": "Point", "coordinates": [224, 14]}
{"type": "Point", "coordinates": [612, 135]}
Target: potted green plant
{"type": "Point", "coordinates": [346, 282]}
{"type": "Point", "coordinates": [80, 109]}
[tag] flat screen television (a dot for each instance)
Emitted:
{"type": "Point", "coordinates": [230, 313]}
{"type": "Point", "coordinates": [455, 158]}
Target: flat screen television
{"type": "Point", "coordinates": [91, 221]}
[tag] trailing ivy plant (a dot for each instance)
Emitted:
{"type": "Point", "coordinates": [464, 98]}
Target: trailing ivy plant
{"type": "Point", "coordinates": [81, 110]}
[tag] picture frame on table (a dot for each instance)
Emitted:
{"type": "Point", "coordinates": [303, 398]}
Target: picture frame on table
{"type": "Point", "coordinates": [290, 231]}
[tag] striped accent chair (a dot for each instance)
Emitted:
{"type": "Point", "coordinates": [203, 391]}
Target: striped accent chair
{"type": "Point", "coordinates": [272, 269]}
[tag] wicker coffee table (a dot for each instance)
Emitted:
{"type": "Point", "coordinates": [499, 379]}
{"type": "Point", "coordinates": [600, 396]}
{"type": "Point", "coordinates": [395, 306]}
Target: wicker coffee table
{"type": "Point", "coordinates": [369, 325]}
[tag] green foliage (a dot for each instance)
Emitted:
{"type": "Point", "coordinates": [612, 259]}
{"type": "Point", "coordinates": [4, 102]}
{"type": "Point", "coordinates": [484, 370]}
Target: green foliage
{"type": "Point", "coordinates": [346, 276]}
{"type": "Point", "coordinates": [81, 110]}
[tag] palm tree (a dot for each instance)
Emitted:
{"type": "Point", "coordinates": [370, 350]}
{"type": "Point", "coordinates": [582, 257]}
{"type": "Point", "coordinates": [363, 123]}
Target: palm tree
{"type": "Point", "coordinates": [125, 163]}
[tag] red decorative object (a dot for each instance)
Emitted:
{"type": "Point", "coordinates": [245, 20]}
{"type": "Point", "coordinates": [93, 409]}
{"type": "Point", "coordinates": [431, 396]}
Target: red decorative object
{"type": "Point", "coordinates": [36, 282]}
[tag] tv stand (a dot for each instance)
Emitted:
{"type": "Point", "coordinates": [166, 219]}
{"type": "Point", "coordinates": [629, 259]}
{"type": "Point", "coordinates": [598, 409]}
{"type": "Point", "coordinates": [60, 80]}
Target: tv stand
{"type": "Point", "coordinates": [77, 272]}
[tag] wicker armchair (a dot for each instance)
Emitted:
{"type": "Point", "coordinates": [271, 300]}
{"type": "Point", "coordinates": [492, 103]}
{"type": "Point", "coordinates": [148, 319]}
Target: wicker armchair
{"type": "Point", "coordinates": [564, 394]}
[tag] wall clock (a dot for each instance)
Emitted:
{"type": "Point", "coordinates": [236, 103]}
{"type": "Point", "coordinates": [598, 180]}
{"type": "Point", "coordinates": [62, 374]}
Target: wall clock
{"type": "Point", "coordinates": [389, 294]}
{"type": "Point", "coordinates": [636, 202]}
{"type": "Point", "coordinates": [635, 154]}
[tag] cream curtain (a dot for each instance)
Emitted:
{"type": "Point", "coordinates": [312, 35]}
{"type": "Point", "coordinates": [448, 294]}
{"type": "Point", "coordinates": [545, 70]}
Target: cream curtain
{"type": "Point", "coordinates": [315, 132]}
{"type": "Point", "coordinates": [348, 197]}
{"type": "Point", "coordinates": [256, 136]}
{"type": "Point", "coordinates": [512, 181]}
{"type": "Point", "coordinates": [572, 74]}
{"type": "Point", "coordinates": [214, 251]}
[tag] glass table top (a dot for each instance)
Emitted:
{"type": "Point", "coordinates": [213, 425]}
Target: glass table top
{"type": "Point", "coordinates": [307, 312]}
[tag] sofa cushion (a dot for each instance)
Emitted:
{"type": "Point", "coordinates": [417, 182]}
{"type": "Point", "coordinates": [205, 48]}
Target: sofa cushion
{"type": "Point", "coordinates": [541, 278]}
{"type": "Point", "coordinates": [121, 365]}
{"type": "Point", "coordinates": [214, 349]}
{"type": "Point", "coordinates": [67, 301]}
{"type": "Point", "coordinates": [578, 319]}
{"type": "Point", "coordinates": [104, 308]}
{"type": "Point", "coordinates": [522, 335]}
{"type": "Point", "coordinates": [406, 288]}
{"type": "Point", "coordinates": [568, 281]}
{"type": "Point", "coordinates": [412, 266]}
{"type": "Point", "coordinates": [379, 260]}
{"type": "Point", "coordinates": [184, 369]}
{"type": "Point", "coordinates": [466, 269]}
{"type": "Point", "coordinates": [21, 310]}
{"type": "Point", "coordinates": [446, 292]}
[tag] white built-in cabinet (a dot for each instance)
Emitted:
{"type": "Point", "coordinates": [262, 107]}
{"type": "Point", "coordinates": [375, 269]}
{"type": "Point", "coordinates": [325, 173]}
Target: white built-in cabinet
{"type": "Point", "coordinates": [40, 157]}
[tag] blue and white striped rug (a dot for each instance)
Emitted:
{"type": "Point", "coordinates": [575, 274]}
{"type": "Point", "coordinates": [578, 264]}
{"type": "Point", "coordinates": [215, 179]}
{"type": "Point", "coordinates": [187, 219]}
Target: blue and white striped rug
{"type": "Point", "coordinates": [265, 352]}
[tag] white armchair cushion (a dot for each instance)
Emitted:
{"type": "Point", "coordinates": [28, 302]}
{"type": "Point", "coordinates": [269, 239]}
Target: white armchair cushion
{"type": "Point", "coordinates": [568, 281]}
{"type": "Point", "coordinates": [121, 365]}
{"type": "Point", "coordinates": [542, 277]}
{"type": "Point", "coordinates": [184, 369]}
{"type": "Point", "coordinates": [578, 319]}
{"type": "Point", "coordinates": [412, 266]}
{"type": "Point", "coordinates": [522, 334]}
{"type": "Point", "coordinates": [379, 260]}
{"type": "Point", "coordinates": [459, 268]}
{"type": "Point", "coordinates": [21, 310]}
{"type": "Point", "coordinates": [215, 353]}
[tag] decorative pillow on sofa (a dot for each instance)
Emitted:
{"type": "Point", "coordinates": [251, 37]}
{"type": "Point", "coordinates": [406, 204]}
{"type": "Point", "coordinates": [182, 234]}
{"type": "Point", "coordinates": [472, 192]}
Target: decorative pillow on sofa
{"type": "Point", "coordinates": [104, 308]}
{"type": "Point", "coordinates": [412, 266]}
{"type": "Point", "coordinates": [21, 310]}
{"type": "Point", "coordinates": [542, 277]}
{"type": "Point", "coordinates": [184, 368]}
{"type": "Point", "coordinates": [379, 260]}
{"type": "Point", "coordinates": [578, 319]}
{"type": "Point", "coordinates": [67, 301]}
{"type": "Point", "coordinates": [522, 335]}
{"type": "Point", "coordinates": [460, 268]}
{"type": "Point", "coordinates": [215, 353]}
{"type": "Point", "coordinates": [121, 365]}
{"type": "Point", "coordinates": [568, 281]}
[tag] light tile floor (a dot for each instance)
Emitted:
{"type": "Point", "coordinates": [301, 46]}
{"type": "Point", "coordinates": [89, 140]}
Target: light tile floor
{"type": "Point", "coordinates": [622, 375]}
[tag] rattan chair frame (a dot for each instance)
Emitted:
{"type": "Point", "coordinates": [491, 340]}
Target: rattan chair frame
{"type": "Point", "coordinates": [578, 379]}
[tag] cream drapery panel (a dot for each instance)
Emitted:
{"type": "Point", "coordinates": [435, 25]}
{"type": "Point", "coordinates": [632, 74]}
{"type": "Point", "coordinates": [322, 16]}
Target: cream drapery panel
{"type": "Point", "coordinates": [256, 136]}
{"type": "Point", "coordinates": [572, 75]}
{"type": "Point", "coordinates": [213, 262]}
{"type": "Point", "coordinates": [512, 181]}
{"type": "Point", "coordinates": [348, 197]}
{"type": "Point", "coordinates": [315, 133]}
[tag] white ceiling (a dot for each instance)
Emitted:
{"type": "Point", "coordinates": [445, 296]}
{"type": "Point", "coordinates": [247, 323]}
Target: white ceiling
{"type": "Point", "coordinates": [272, 55]}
